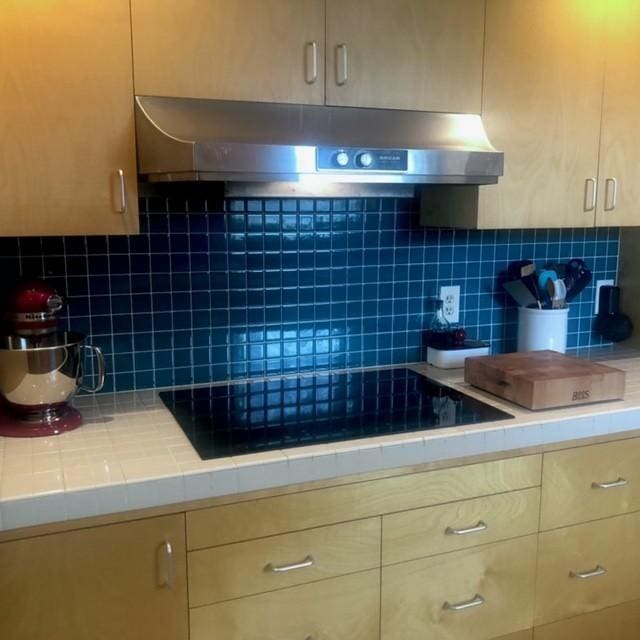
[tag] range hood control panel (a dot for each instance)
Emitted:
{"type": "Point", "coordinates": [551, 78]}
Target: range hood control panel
{"type": "Point", "coordinates": [346, 159]}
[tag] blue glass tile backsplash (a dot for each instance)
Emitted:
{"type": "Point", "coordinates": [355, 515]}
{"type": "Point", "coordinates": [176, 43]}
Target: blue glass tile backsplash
{"type": "Point", "coordinates": [215, 290]}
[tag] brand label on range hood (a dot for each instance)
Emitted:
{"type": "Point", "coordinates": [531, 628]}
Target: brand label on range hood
{"type": "Point", "coordinates": [350, 159]}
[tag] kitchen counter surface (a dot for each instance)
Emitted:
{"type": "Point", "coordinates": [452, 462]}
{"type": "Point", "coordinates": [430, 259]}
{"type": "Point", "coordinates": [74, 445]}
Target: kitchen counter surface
{"type": "Point", "coordinates": [131, 454]}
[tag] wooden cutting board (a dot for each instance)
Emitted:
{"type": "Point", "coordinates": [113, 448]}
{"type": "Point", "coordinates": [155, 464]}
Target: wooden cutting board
{"type": "Point", "coordinates": [544, 379]}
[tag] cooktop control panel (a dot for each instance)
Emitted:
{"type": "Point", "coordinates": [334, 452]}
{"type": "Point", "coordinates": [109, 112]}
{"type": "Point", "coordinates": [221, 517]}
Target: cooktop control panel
{"type": "Point", "coordinates": [350, 159]}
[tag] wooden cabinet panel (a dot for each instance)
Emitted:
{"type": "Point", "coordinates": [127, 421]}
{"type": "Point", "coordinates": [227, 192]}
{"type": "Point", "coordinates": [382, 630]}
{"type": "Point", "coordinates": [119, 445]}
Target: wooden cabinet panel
{"type": "Point", "coordinates": [408, 54]}
{"type": "Point", "coordinates": [569, 495]}
{"type": "Point", "coordinates": [615, 623]}
{"type": "Point", "coordinates": [424, 532]}
{"type": "Point", "coordinates": [414, 593]}
{"type": "Point", "coordinates": [542, 97]}
{"type": "Point", "coordinates": [527, 634]}
{"type": "Point", "coordinates": [66, 121]}
{"type": "Point", "coordinates": [241, 569]}
{"type": "Point", "coordinates": [610, 545]}
{"type": "Point", "coordinates": [620, 138]}
{"type": "Point", "coordinates": [251, 50]}
{"type": "Point", "coordinates": [101, 583]}
{"type": "Point", "coordinates": [270, 516]}
{"type": "Point", "coordinates": [346, 607]}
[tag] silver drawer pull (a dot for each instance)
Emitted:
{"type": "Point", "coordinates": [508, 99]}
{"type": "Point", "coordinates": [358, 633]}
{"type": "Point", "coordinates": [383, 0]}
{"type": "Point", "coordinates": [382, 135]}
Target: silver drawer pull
{"type": "Point", "coordinates": [165, 562]}
{"type": "Point", "coordinates": [307, 562]}
{"type": "Point", "coordinates": [311, 62]}
{"type": "Point", "coordinates": [342, 65]}
{"type": "Point", "coordinates": [590, 194]}
{"type": "Point", "coordinates": [476, 601]}
{"type": "Point", "coordinates": [610, 202]}
{"type": "Point", "coordinates": [620, 482]}
{"type": "Point", "coordinates": [584, 575]}
{"type": "Point", "coordinates": [481, 526]}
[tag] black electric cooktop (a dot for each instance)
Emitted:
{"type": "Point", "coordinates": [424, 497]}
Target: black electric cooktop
{"type": "Point", "coordinates": [257, 416]}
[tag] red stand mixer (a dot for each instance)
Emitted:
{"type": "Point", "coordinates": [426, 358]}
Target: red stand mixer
{"type": "Point", "coordinates": [41, 368]}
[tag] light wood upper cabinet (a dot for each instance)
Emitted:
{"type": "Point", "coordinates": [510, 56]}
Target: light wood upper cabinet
{"type": "Point", "coordinates": [101, 583]}
{"type": "Point", "coordinates": [260, 50]}
{"type": "Point", "coordinates": [66, 119]}
{"type": "Point", "coordinates": [543, 71]}
{"type": "Point", "coordinates": [619, 174]}
{"type": "Point", "coordinates": [408, 54]}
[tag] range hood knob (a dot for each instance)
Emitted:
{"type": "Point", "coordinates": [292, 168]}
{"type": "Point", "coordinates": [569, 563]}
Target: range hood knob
{"type": "Point", "coordinates": [342, 158]}
{"type": "Point", "coordinates": [364, 159]}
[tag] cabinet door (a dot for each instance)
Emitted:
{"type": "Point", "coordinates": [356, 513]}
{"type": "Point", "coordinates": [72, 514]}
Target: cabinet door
{"type": "Point", "coordinates": [101, 583]}
{"type": "Point", "coordinates": [262, 50]}
{"type": "Point", "coordinates": [614, 623]}
{"type": "Point", "coordinates": [408, 54]}
{"type": "Point", "coordinates": [619, 199]}
{"type": "Point", "coordinates": [475, 594]}
{"type": "Point", "coordinates": [542, 100]}
{"type": "Point", "coordinates": [66, 120]}
{"type": "Point", "coordinates": [587, 567]}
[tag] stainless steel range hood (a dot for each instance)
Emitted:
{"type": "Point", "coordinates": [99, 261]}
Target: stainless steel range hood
{"type": "Point", "coordinates": [295, 149]}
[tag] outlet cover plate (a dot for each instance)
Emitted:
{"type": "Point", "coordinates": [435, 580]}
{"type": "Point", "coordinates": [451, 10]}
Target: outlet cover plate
{"type": "Point", "coordinates": [450, 297]}
{"type": "Point", "coordinates": [600, 283]}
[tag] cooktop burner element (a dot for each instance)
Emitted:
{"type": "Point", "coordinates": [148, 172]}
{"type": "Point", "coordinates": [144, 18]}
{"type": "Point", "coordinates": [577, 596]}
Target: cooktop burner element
{"type": "Point", "coordinates": [289, 412]}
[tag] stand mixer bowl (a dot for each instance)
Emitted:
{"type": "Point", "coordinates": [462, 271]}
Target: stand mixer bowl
{"type": "Point", "coordinates": [39, 375]}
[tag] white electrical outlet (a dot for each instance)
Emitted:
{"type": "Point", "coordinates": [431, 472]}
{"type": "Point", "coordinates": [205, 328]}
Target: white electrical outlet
{"type": "Point", "coordinates": [600, 283]}
{"type": "Point", "coordinates": [450, 297]}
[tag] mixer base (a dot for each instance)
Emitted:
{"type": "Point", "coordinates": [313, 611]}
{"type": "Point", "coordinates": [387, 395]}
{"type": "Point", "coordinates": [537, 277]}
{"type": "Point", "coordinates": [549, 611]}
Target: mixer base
{"type": "Point", "coordinates": [13, 427]}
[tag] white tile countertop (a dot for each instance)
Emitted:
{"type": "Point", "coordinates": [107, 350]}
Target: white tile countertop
{"type": "Point", "coordinates": [131, 454]}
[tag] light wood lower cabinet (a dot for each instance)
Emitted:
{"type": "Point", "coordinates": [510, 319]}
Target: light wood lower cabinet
{"type": "Point", "coordinates": [246, 568]}
{"type": "Point", "coordinates": [587, 483]}
{"type": "Point", "coordinates": [588, 567]}
{"type": "Point", "coordinates": [101, 583]}
{"type": "Point", "coordinates": [345, 607]}
{"type": "Point", "coordinates": [615, 623]}
{"type": "Point", "coordinates": [474, 594]}
{"type": "Point", "coordinates": [280, 514]}
{"type": "Point", "coordinates": [459, 525]}
{"type": "Point", "coordinates": [527, 634]}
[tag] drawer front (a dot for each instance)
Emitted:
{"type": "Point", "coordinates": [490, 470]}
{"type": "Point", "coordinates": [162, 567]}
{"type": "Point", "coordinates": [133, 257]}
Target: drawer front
{"type": "Point", "coordinates": [588, 549]}
{"type": "Point", "coordinates": [614, 623]}
{"type": "Point", "coordinates": [280, 514]}
{"type": "Point", "coordinates": [588, 483]}
{"type": "Point", "coordinates": [345, 607]}
{"type": "Point", "coordinates": [247, 568]}
{"type": "Point", "coordinates": [502, 575]}
{"type": "Point", "coordinates": [459, 525]}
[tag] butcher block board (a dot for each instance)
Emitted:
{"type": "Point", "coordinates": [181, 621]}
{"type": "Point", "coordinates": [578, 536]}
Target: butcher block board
{"type": "Point", "coordinates": [544, 379]}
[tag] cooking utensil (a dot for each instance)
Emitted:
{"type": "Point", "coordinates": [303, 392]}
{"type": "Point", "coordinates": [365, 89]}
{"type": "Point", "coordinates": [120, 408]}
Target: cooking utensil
{"type": "Point", "coordinates": [519, 291]}
{"type": "Point", "coordinates": [582, 280]}
{"type": "Point", "coordinates": [574, 269]}
{"type": "Point", "coordinates": [557, 291]}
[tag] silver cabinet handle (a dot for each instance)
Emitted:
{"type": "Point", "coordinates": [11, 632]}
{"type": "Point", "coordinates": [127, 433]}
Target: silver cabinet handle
{"type": "Point", "coordinates": [307, 562]}
{"type": "Point", "coordinates": [476, 601]}
{"type": "Point", "coordinates": [590, 194]}
{"type": "Point", "coordinates": [311, 62]}
{"type": "Point", "coordinates": [481, 526]}
{"type": "Point", "coordinates": [610, 195]}
{"type": "Point", "coordinates": [620, 482]}
{"type": "Point", "coordinates": [121, 192]}
{"type": "Point", "coordinates": [584, 575]}
{"type": "Point", "coordinates": [342, 65]}
{"type": "Point", "coordinates": [166, 572]}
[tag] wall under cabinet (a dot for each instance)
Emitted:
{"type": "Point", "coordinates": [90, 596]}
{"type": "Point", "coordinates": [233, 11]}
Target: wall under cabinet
{"type": "Point", "coordinates": [213, 289]}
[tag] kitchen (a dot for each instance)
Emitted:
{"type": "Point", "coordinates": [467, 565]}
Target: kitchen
{"type": "Point", "coordinates": [217, 288]}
